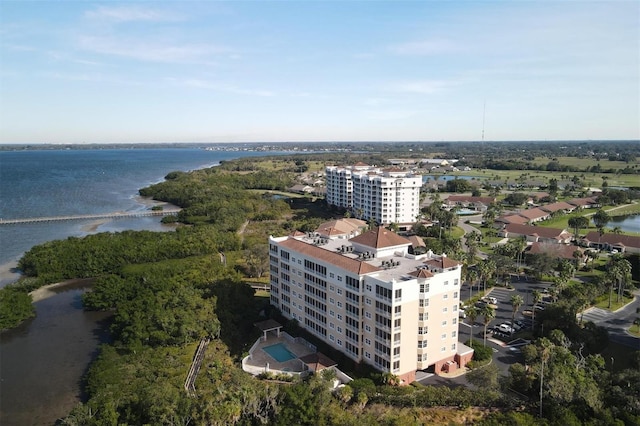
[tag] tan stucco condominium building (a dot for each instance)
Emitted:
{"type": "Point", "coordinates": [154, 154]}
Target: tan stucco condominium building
{"type": "Point", "coordinates": [366, 296]}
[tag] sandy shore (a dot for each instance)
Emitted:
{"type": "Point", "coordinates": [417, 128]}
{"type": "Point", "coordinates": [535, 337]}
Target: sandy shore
{"type": "Point", "coordinates": [93, 226]}
{"type": "Point", "coordinates": [49, 290]}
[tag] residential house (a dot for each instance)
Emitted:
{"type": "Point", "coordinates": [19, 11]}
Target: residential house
{"type": "Point", "coordinates": [536, 233]}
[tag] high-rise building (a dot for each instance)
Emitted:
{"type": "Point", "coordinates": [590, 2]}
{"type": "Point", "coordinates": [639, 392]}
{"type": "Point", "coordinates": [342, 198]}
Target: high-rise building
{"type": "Point", "coordinates": [382, 195]}
{"type": "Point", "coordinates": [368, 297]}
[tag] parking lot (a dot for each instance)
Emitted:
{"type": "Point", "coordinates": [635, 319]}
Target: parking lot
{"type": "Point", "coordinates": [503, 343]}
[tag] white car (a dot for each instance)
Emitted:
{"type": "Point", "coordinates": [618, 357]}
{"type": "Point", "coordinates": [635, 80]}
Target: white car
{"type": "Point", "coordinates": [505, 328]}
{"type": "Point", "coordinates": [491, 300]}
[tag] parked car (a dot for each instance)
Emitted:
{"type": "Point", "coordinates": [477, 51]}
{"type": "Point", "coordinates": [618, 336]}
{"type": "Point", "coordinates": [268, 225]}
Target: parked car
{"type": "Point", "coordinates": [491, 300]}
{"type": "Point", "coordinates": [462, 314]}
{"type": "Point", "coordinates": [505, 328]}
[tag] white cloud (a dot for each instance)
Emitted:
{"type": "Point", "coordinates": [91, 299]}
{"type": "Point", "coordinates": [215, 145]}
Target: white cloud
{"type": "Point", "coordinates": [155, 51]}
{"type": "Point", "coordinates": [425, 47]}
{"type": "Point", "coordinates": [221, 87]}
{"type": "Point", "coordinates": [422, 87]}
{"type": "Point", "coordinates": [131, 13]}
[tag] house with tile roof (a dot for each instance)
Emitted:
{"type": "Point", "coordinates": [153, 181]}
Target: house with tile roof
{"type": "Point", "coordinates": [609, 241]}
{"type": "Point", "coordinates": [557, 251]}
{"type": "Point", "coordinates": [479, 204]}
{"type": "Point", "coordinates": [534, 215]}
{"type": "Point", "coordinates": [585, 203]}
{"type": "Point", "coordinates": [560, 206]}
{"type": "Point", "coordinates": [372, 299]}
{"type": "Point", "coordinates": [536, 233]}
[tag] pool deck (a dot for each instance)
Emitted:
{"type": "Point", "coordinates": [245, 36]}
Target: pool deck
{"type": "Point", "coordinates": [260, 361]}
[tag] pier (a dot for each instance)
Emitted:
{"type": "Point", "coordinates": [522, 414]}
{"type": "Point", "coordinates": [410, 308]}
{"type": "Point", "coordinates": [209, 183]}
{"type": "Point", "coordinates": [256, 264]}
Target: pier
{"type": "Point", "coordinates": [113, 215]}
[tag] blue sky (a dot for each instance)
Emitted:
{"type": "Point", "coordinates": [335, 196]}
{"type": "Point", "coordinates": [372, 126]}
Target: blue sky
{"type": "Point", "coordinates": [245, 71]}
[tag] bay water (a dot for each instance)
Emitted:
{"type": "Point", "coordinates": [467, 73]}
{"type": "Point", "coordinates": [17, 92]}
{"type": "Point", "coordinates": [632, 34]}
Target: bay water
{"type": "Point", "coordinates": [42, 362]}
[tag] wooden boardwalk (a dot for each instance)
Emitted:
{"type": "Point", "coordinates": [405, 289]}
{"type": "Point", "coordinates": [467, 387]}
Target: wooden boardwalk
{"type": "Point", "coordinates": [113, 215]}
{"type": "Point", "coordinates": [190, 382]}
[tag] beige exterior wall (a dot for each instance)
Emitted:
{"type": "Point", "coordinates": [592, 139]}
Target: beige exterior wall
{"type": "Point", "coordinates": [394, 312]}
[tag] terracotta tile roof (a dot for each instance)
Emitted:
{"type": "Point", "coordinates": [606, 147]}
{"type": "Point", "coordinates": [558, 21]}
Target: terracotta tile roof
{"type": "Point", "coordinates": [561, 205]}
{"type": "Point", "coordinates": [340, 261]}
{"type": "Point", "coordinates": [361, 164]}
{"type": "Point", "coordinates": [340, 226]}
{"type": "Point", "coordinates": [613, 239]}
{"type": "Point", "coordinates": [380, 238]}
{"type": "Point", "coordinates": [555, 250]}
{"type": "Point", "coordinates": [318, 361]}
{"type": "Point", "coordinates": [513, 218]}
{"type": "Point", "coordinates": [442, 263]}
{"type": "Point", "coordinates": [533, 213]}
{"type": "Point", "coordinates": [539, 231]}
{"type": "Point", "coordinates": [421, 273]}
{"type": "Point", "coordinates": [416, 241]}
{"type": "Point", "coordinates": [583, 201]}
{"type": "Point", "coordinates": [297, 233]}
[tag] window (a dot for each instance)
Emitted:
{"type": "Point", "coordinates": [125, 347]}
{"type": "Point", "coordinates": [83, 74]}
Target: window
{"type": "Point", "coordinates": [398, 294]}
{"type": "Point", "coordinates": [331, 325]}
{"type": "Point", "coordinates": [453, 347]}
{"type": "Point", "coordinates": [340, 344]}
{"type": "Point", "coordinates": [367, 315]}
{"type": "Point", "coordinates": [368, 287]}
{"type": "Point", "coordinates": [339, 317]}
{"type": "Point", "coordinates": [443, 336]}
{"type": "Point", "coordinates": [454, 321]}
{"type": "Point", "coordinates": [445, 309]}
{"type": "Point", "coordinates": [331, 300]}
{"type": "Point", "coordinates": [367, 341]}
{"type": "Point", "coordinates": [368, 355]}
{"type": "Point", "coordinates": [332, 314]}
{"type": "Point", "coordinates": [331, 337]}
{"type": "Point", "coordinates": [339, 304]}
{"type": "Point", "coordinates": [444, 323]}
{"type": "Point", "coordinates": [455, 294]}
{"type": "Point", "coordinates": [331, 275]}
{"type": "Point", "coordinates": [424, 303]}
{"type": "Point", "coordinates": [424, 288]}
{"type": "Point", "coordinates": [446, 283]}
{"type": "Point", "coordinates": [368, 328]}
{"type": "Point", "coordinates": [339, 291]}
{"type": "Point", "coordinates": [455, 282]}
{"type": "Point", "coordinates": [441, 349]}
{"type": "Point", "coordinates": [339, 329]}
{"type": "Point", "coordinates": [332, 288]}
{"type": "Point", "coordinates": [454, 333]}
{"type": "Point", "coordinates": [454, 308]}
{"type": "Point", "coordinates": [445, 296]}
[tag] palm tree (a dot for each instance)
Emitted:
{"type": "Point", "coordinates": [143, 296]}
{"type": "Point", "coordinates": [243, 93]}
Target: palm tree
{"type": "Point", "coordinates": [516, 302]}
{"type": "Point", "coordinates": [617, 230]}
{"type": "Point", "coordinates": [620, 271]}
{"type": "Point", "coordinates": [472, 276]}
{"type": "Point", "coordinates": [537, 297]}
{"type": "Point", "coordinates": [577, 223]}
{"type": "Point", "coordinates": [472, 313]}
{"type": "Point", "coordinates": [489, 314]}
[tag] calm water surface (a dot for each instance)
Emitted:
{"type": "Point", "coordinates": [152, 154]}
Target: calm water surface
{"type": "Point", "coordinates": [43, 361]}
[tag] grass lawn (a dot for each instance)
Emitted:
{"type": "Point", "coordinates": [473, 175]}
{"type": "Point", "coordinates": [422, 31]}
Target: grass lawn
{"type": "Point", "coordinates": [603, 302]}
{"type": "Point", "coordinates": [590, 179]}
{"type": "Point", "coordinates": [635, 330]}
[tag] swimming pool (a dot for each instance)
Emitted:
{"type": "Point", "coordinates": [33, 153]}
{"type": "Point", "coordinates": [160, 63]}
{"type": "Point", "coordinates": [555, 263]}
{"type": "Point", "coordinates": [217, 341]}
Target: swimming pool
{"type": "Point", "coordinates": [464, 212]}
{"type": "Point", "coordinates": [279, 352]}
